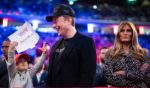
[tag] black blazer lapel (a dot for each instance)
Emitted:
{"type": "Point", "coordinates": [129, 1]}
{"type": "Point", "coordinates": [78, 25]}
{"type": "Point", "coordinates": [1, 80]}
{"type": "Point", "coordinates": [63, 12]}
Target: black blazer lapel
{"type": "Point", "coordinates": [51, 53]}
{"type": "Point", "coordinates": [55, 47]}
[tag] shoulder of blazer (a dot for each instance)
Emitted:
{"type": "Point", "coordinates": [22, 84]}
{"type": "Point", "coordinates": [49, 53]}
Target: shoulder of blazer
{"type": "Point", "coordinates": [57, 42]}
{"type": "Point", "coordinates": [83, 38]}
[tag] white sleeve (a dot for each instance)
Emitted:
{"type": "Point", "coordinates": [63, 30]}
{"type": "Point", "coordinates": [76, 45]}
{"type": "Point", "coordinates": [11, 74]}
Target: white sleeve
{"type": "Point", "coordinates": [11, 65]}
{"type": "Point", "coordinates": [34, 69]}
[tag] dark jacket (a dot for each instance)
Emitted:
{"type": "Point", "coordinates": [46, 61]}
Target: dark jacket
{"type": "Point", "coordinates": [42, 82]}
{"type": "Point", "coordinates": [4, 79]}
{"type": "Point", "coordinates": [77, 64]}
{"type": "Point", "coordinates": [100, 79]}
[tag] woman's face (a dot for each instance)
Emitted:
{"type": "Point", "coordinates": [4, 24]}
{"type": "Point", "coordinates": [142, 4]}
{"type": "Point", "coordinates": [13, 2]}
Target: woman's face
{"type": "Point", "coordinates": [125, 34]}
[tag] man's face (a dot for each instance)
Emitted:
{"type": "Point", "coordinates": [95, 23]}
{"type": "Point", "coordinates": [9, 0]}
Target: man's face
{"type": "Point", "coordinates": [5, 47]}
{"type": "Point", "coordinates": [103, 53]}
{"type": "Point", "coordinates": [60, 24]}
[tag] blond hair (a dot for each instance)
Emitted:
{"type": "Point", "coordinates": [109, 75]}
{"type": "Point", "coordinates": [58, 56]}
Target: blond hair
{"type": "Point", "coordinates": [136, 49]}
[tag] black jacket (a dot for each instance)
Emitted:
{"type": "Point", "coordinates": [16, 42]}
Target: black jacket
{"type": "Point", "coordinates": [4, 79]}
{"type": "Point", "coordinates": [42, 82]}
{"type": "Point", "coordinates": [100, 79]}
{"type": "Point", "coordinates": [77, 64]}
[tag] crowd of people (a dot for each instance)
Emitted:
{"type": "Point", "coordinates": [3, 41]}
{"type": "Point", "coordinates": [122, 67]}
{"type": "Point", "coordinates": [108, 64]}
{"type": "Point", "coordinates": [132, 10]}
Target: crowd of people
{"type": "Point", "coordinates": [104, 11]}
{"type": "Point", "coordinates": [72, 59]}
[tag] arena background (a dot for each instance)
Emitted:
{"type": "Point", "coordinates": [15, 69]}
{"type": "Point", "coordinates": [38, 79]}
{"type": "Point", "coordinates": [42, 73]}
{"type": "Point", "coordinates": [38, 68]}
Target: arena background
{"type": "Point", "coordinates": [96, 18]}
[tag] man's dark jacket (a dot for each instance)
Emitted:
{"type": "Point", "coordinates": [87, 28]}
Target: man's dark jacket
{"type": "Point", "coordinates": [4, 79]}
{"type": "Point", "coordinates": [77, 64]}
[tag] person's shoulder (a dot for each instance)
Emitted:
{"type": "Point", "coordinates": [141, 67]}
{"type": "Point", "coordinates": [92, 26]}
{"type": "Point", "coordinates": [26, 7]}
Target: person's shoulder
{"type": "Point", "coordinates": [84, 37]}
{"type": "Point", "coordinates": [57, 41]}
{"type": "Point", "coordinates": [110, 52]}
{"type": "Point", "coordinates": [45, 72]}
{"type": "Point", "coordinates": [2, 60]}
{"type": "Point", "coordinates": [145, 51]}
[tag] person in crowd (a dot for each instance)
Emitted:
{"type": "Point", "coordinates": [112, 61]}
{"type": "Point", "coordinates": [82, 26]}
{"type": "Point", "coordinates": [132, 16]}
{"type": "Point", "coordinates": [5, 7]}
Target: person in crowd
{"type": "Point", "coordinates": [4, 80]}
{"type": "Point", "coordinates": [73, 57]}
{"type": "Point", "coordinates": [39, 80]}
{"type": "Point", "coordinates": [103, 52]}
{"type": "Point", "coordinates": [123, 63]}
{"type": "Point", "coordinates": [19, 74]}
{"type": "Point", "coordinates": [100, 80]}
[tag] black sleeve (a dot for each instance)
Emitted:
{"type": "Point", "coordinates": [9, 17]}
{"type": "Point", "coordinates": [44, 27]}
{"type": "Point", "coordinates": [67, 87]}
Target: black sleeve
{"type": "Point", "coordinates": [88, 63]}
{"type": "Point", "coordinates": [3, 68]}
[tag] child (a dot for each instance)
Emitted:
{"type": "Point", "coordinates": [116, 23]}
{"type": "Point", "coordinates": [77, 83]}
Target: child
{"type": "Point", "coordinates": [19, 74]}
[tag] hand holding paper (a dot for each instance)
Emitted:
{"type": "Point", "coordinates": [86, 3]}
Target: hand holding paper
{"type": "Point", "coordinates": [12, 46]}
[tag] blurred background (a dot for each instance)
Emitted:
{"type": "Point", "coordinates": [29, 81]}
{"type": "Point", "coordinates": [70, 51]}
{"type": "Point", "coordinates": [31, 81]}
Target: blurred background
{"type": "Point", "coordinates": [98, 19]}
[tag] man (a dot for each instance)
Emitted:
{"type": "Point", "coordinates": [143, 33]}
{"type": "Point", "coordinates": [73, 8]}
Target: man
{"type": "Point", "coordinates": [103, 52]}
{"type": "Point", "coordinates": [73, 57]}
{"type": "Point", "coordinates": [4, 81]}
{"type": "Point", "coordinates": [100, 80]}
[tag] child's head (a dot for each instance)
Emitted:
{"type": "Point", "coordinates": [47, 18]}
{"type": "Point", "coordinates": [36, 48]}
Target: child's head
{"type": "Point", "coordinates": [22, 61]}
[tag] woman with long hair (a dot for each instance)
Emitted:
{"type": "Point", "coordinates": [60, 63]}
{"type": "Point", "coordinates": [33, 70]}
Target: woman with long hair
{"type": "Point", "coordinates": [123, 65]}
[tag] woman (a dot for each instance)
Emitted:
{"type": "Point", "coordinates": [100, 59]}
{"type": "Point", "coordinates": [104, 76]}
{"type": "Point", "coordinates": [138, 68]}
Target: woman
{"type": "Point", "coordinates": [123, 65]}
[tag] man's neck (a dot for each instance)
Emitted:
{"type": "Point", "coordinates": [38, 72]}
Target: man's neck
{"type": "Point", "coordinates": [71, 32]}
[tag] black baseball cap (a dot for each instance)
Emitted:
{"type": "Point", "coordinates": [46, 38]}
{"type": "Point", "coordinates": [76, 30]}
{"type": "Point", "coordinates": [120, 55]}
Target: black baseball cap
{"type": "Point", "coordinates": [61, 10]}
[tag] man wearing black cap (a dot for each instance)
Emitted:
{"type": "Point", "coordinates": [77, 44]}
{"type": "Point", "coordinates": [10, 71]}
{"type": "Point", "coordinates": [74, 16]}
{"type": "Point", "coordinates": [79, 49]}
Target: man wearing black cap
{"type": "Point", "coordinates": [73, 57]}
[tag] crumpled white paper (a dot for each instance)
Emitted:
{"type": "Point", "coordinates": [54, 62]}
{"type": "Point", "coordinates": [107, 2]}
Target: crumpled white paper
{"type": "Point", "coordinates": [25, 36]}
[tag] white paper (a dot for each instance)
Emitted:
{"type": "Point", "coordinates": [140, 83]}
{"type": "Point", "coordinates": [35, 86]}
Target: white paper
{"type": "Point", "coordinates": [25, 36]}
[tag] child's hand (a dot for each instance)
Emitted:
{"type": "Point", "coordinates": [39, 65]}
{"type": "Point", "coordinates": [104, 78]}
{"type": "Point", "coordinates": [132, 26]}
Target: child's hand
{"type": "Point", "coordinates": [12, 46]}
{"type": "Point", "coordinates": [44, 48]}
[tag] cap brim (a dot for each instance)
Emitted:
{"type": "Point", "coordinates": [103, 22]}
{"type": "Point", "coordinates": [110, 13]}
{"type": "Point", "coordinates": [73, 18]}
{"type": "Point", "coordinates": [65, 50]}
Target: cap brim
{"type": "Point", "coordinates": [49, 18]}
